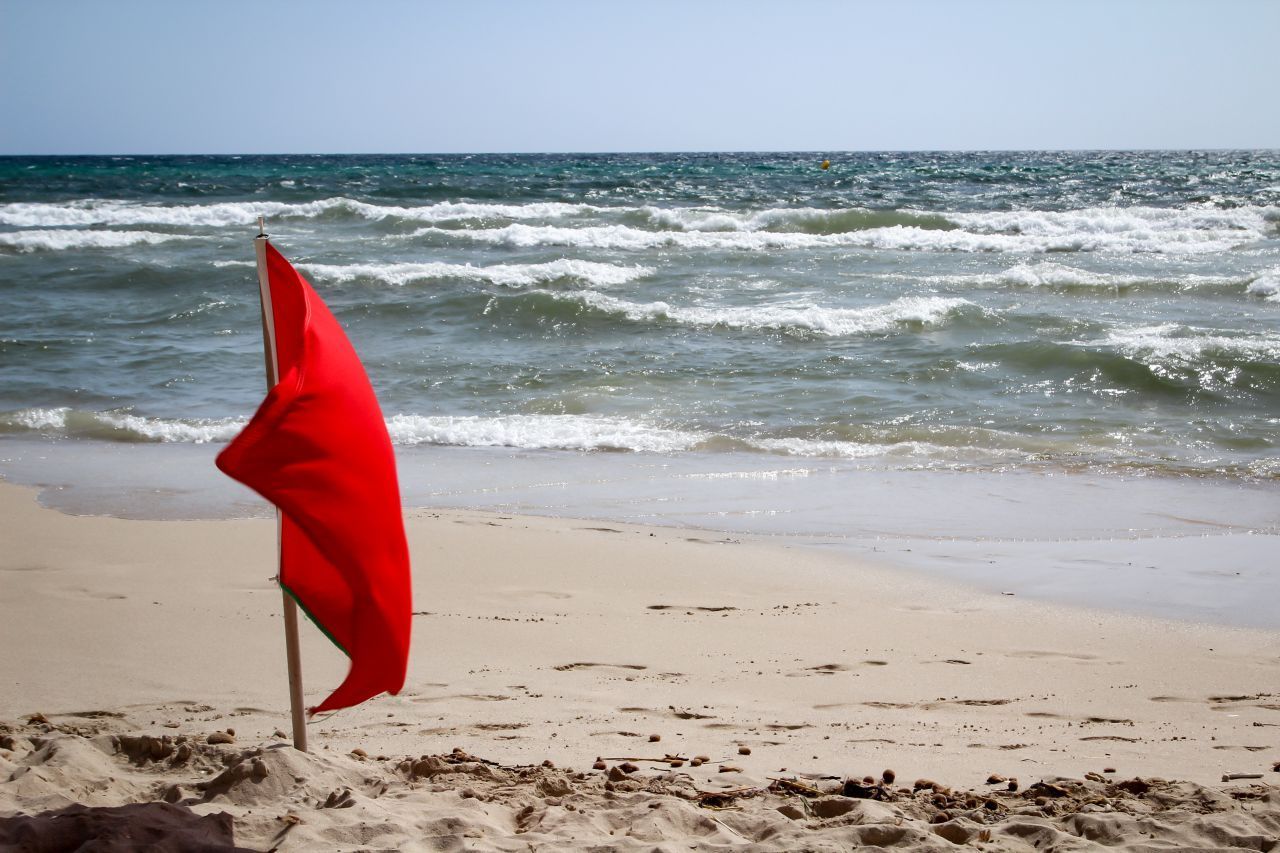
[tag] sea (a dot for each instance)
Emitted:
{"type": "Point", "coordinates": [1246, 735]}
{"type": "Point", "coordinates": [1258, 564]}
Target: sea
{"type": "Point", "coordinates": [981, 349]}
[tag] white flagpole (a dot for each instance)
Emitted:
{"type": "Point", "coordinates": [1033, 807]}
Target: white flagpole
{"type": "Point", "coordinates": [292, 651]}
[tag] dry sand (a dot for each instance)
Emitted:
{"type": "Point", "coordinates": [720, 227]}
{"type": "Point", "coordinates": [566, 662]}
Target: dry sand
{"type": "Point", "coordinates": [549, 640]}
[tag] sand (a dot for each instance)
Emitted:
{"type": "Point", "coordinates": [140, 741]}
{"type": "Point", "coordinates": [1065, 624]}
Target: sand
{"type": "Point", "coordinates": [127, 644]}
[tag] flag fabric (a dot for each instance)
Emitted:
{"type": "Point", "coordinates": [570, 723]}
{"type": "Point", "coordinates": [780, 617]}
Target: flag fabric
{"type": "Point", "coordinates": [318, 449]}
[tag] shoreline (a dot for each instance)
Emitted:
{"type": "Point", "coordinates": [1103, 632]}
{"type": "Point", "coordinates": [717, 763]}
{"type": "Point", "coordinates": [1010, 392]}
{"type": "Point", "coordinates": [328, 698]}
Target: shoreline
{"type": "Point", "coordinates": [1187, 549]}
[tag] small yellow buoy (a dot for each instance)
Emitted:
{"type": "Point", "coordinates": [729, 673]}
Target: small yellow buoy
{"type": "Point", "coordinates": [826, 164]}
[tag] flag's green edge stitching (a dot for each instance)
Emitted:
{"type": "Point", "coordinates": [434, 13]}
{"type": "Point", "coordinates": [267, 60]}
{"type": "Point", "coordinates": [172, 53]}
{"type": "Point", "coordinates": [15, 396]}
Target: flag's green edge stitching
{"type": "Point", "coordinates": [314, 620]}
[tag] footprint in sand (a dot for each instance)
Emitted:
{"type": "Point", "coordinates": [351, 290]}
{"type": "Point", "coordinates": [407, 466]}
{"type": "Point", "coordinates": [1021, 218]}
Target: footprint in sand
{"type": "Point", "coordinates": [820, 669]}
{"type": "Point", "coordinates": [689, 607]}
{"type": "Point", "coordinates": [568, 667]}
{"type": "Point", "coordinates": [1037, 654]}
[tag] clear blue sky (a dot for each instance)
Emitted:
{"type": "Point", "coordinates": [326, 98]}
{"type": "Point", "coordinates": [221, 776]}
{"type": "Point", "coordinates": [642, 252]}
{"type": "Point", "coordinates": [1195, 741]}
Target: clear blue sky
{"type": "Point", "coordinates": [188, 76]}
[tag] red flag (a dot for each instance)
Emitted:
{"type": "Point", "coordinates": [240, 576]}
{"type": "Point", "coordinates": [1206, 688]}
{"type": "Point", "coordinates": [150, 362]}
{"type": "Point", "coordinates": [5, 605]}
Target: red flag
{"type": "Point", "coordinates": [318, 449]}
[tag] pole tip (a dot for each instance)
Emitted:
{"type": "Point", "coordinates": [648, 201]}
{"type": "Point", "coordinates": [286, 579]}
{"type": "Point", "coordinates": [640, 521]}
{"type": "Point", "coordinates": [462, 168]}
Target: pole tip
{"type": "Point", "coordinates": [262, 229]}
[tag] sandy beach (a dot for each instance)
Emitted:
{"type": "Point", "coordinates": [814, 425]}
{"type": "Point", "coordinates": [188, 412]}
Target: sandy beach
{"type": "Point", "coordinates": [543, 646]}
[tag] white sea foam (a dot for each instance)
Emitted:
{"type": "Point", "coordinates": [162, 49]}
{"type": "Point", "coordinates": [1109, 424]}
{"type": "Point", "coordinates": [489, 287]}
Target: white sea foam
{"type": "Point", "coordinates": [894, 237]}
{"type": "Point", "coordinates": [1126, 229]}
{"type": "Point", "coordinates": [1171, 342]}
{"type": "Point", "coordinates": [36, 419]}
{"type": "Point", "coordinates": [529, 432]}
{"type": "Point", "coordinates": [785, 219]}
{"type": "Point", "coordinates": [1048, 274]}
{"type": "Point", "coordinates": [508, 275]}
{"type": "Point", "coordinates": [222, 214]}
{"type": "Point", "coordinates": [55, 241]}
{"type": "Point", "coordinates": [191, 430]}
{"type": "Point", "coordinates": [121, 426]}
{"type": "Point", "coordinates": [626, 237]}
{"type": "Point", "coordinates": [924, 310]}
{"type": "Point", "coordinates": [1266, 285]}
{"type": "Point", "coordinates": [552, 432]}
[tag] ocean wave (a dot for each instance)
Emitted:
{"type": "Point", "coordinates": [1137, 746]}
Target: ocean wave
{"type": "Point", "coordinates": [507, 275]}
{"type": "Point", "coordinates": [1128, 229]}
{"type": "Point", "coordinates": [1049, 275]}
{"type": "Point", "coordinates": [595, 433]}
{"type": "Point", "coordinates": [84, 212]}
{"type": "Point", "coordinates": [1266, 285]}
{"type": "Point", "coordinates": [805, 220]}
{"type": "Point", "coordinates": [895, 237]}
{"type": "Point", "coordinates": [527, 432]}
{"type": "Point", "coordinates": [1172, 342]}
{"type": "Point", "coordinates": [119, 426]}
{"type": "Point", "coordinates": [833, 322]}
{"type": "Point", "coordinates": [56, 241]}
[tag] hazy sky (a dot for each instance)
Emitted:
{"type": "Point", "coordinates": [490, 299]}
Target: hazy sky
{"type": "Point", "coordinates": [185, 76]}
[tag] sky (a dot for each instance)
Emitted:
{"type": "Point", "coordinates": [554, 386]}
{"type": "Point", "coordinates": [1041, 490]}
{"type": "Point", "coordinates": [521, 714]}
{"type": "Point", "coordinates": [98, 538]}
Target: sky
{"type": "Point", "coordinates": [394, 76]}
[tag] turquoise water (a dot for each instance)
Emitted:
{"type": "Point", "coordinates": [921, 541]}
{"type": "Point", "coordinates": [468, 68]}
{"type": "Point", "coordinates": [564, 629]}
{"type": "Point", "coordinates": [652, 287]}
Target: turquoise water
{"type": "Point", "coordinates": [1106, 311]}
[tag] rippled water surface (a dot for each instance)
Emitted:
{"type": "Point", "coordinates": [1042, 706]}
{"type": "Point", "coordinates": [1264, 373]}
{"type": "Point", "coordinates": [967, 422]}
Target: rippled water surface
{"type": "Point", "coordinates": [1109, 311]}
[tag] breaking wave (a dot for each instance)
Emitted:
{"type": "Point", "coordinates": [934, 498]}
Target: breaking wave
{"type": "Point", "coordinates": [222, 214]}
{"type": "Point", "coordinates": [507, 275]}
{"type": "Point", "coordinates": [1026, 233]}
{"type": "Point", "coordinates": [56, 241]}
{"type": "Point", "coordinates": [1172, 342]}
{"type": "Point", "coordinates": [1054, 276]}
{"type": "Point", "coordinates": [804, 220]}
{"type": "Point", "coordinates": [1266, 285]}
{"type": "Point", "coordinates": [118, 426]}
{"type": "Point", "coordinates": [528, 432]}
{"type": "Point", "coordinates": [908, 311]}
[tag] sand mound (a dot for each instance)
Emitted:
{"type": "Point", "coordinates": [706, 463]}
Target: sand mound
{"type": "Point", "coordinates": [70, 783]}
{"type": "Point", "coordinates": [156, 827]}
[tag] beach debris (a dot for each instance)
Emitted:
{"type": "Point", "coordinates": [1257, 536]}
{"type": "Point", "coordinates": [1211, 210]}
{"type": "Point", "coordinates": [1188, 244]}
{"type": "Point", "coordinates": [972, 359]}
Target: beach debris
{"type": "Point", "coordinates": [779, 785]}
{"type": "Point", "coordinates": [730, 768]}
{"type": "Point", "coordinates": [1046, 789]}
{"type": "Point", "coordinates": [744, 750]}
{"type": "Point", "coordinates": [703, 759]}
{"type": "Point", "coordinates": [1108, 770]}
{"type": "Point", "coordinates": [339, 799]}
{"type": "Point", "coordinates": [628, 767]}
{"type": "Point", "coordinates": [696, 762]}
{"type": "Point", "coordinates": [888, 776]}
{"type": "Point", "coordinates": [654, 738]}
{"type": "Point", "coordinates": [996, 779]}
{"type": "Point", "coordinates": [220, 737]}
{"type": "Point", "coordinates": [1231, 777]}
{"type": "Point", "coordinates": [599, 765]}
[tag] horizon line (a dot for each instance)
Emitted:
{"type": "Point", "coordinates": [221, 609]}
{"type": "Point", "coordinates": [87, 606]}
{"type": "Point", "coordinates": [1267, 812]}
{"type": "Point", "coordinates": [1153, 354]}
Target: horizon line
{"type": "Point", "coordinates": [814, 152]}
